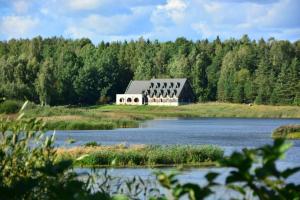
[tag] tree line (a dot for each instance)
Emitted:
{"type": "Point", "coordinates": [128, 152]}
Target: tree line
{"type": "Point", "coordinates": [58, 71]}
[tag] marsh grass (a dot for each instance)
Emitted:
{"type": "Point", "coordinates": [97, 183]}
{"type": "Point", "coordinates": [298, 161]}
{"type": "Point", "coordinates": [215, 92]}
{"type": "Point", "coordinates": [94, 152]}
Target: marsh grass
{"type": "Point", "coordinates": [121, 156]}
{"type": "Point", "coordinates": [79, 125]}
{"type": "Point", "coordinates": [120, 116]}
{"type": "Point", "coordinates": [291, 131]}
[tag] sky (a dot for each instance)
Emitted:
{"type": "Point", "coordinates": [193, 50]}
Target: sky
{"type": "Point", "coordinates": [164, 20]}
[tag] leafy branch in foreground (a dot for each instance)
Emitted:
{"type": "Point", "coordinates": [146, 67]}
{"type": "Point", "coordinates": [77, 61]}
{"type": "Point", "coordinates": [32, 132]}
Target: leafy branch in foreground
{"type": "Point", "coordinates": [29, 169]}
{"type": "Point", "coordinates": [27, 163]}
{"type": "Point", "coordinates": [252, 171]}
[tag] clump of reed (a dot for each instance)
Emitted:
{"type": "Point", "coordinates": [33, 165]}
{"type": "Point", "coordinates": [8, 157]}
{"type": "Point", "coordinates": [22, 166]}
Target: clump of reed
{"type": "Point", "coordinates": [80, 125]}
{"type": "Point", "coordinates": [291, 131]}
{"type": "Point", "coordinates": [143, 155]}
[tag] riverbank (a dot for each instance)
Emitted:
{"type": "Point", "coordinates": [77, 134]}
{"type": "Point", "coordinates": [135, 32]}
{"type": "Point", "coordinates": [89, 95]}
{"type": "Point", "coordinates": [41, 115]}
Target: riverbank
{"type": "Point", "coordinates": [116, 116]}
{"type": "Point", "coordinates": [142, 155]}
{"type": "Point", "coordinates": [291, 131]}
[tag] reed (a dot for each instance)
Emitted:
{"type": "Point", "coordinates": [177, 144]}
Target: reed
{"type": "Point", "coordinates": [142, 155]}
{"type": "Point", "coordinates": [291, 131]}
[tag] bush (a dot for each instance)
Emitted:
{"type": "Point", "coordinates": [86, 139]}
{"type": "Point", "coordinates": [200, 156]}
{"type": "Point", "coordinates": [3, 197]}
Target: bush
{"type": "Point", "coordinates": [10, 106]}
{"type": "Point", "coordinates": [92, 144]}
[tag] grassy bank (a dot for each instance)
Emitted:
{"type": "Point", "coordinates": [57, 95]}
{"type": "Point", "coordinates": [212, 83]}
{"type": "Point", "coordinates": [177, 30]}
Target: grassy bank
{"type": "Point", "coordinates": [140, 155]}
{"type": "Point", "coordinates": [113, 116]}
{"type": "Point", "coordinates": [83, 118]}
{"type": "Point", "coordinates": [287, 131]}
{"type": "Point", "coordinates": [212, 109]}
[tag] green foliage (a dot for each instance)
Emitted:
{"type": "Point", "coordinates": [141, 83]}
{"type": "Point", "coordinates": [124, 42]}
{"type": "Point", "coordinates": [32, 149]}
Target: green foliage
{"type": "Point", "coordinates": [59, 71]}
{"type": "Point", "coordinates": [10, 106]}
{"type": "Point", "coordinates": [251, 171]}
{"type": "Point", "coordinates": [193, 191]}
{"type": "Point", "coordinates": [28, 169]}
{"type": "Point", "coordinates": [44, 83]}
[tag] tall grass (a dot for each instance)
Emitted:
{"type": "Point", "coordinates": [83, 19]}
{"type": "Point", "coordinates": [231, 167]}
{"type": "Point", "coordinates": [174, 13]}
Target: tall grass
{"type": "Point", "coordinates": [80, 125]}
{"type": "Point", "coordinates": [145, 155]}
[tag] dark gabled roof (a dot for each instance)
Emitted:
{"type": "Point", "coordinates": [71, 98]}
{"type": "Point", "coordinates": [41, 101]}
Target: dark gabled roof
{"type": "Point", "coordinates": [157, 87]}
{"type": "Point", "coordinates": [137, 87]}
{"type": "Point", "coordinates": [168, 86]}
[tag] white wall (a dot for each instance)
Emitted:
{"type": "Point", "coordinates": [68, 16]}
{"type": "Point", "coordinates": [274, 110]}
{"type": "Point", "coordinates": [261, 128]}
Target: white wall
{"type": "Point", "coordinates": [163, 101]}
{"type": "Point", "coordinates": [123, 99]}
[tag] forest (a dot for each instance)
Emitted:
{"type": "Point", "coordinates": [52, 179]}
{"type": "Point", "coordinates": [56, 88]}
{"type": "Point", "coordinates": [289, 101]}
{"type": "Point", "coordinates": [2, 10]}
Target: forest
{"type": "Point", "coordinates": [59, 71]}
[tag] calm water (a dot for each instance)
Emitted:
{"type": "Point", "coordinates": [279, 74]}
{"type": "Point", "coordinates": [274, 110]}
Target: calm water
{"type": "Point", "coordinates": [229, 133]}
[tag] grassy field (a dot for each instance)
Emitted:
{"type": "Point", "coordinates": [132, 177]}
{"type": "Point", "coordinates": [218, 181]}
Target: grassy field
{"type": "Point", "coordinates": [113, 116]}
{"type": "Point", "coordinates": [141, 155]}
{"type": "Point", "coordinates": [287, 131]}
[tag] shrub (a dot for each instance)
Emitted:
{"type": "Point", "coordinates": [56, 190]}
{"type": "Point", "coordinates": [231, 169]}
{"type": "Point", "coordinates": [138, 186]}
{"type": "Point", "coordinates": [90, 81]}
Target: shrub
{"type": "Point", "coordinates": [92, 144]}
{"type": "Point", "coordinates": [10, 106]}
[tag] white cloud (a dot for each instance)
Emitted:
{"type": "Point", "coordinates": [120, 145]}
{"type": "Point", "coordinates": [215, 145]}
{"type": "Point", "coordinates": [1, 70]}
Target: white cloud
{"type": "Point", "coordinates": [204, 30]}
{"type": "Point", "coordinates": [198, 19]}
{"type": "Point", "coordinates": [156, 19]}
{"type": "Point", "coordinates": [98, 25]}
{"type": "Point", "coordinates": [83, 4]}
{"type": "Point", "coordinates": [173, 9]}
{"type": "Point", "coordinates": [17, 26]}
{"type": "Point", "coordinates": [121, 26]}
{"type": "Point", "coordinates": [21, 6]}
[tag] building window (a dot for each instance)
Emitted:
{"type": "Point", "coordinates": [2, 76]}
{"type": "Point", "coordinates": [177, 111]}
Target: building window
{"type": "Point", "coordinates": [129, 100]}
{"type": "Point", "coordinates": [136, 100]}
{"type": "Point", "coordinates": [121, 100]}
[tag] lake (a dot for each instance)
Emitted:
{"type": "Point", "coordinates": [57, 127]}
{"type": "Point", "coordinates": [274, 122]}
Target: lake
{"type": "Point", "coordinates": [229, 133]}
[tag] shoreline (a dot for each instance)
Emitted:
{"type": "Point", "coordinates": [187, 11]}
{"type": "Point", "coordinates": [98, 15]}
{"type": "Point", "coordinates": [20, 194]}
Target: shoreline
{"type": "Point", "coordinates": [109, 117]}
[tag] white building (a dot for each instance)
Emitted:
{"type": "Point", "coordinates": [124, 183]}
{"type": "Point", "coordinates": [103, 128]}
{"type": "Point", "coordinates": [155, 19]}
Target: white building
{"type": "Point", "coordinates": [169, 92]}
